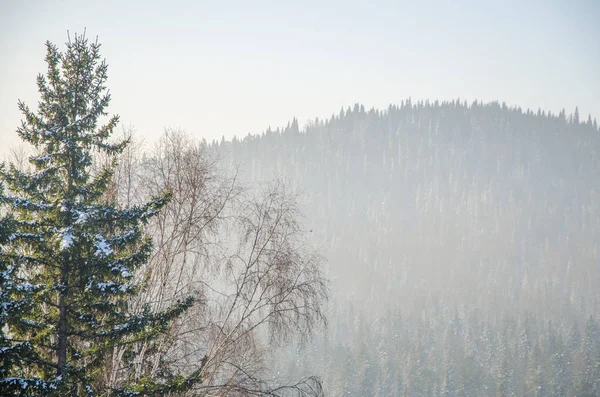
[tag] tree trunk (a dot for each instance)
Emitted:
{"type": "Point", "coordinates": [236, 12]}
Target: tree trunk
{"type": "Point", "coordinates": [62, 324]}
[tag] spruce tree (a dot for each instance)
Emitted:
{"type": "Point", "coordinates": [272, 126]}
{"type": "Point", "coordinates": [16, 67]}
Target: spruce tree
{"type": "Point", "coordinates": [68, 253]}
{"type": "Point", "coordinates": [15, 303]}
{"type": "Point", "coordinates": [588, 379]}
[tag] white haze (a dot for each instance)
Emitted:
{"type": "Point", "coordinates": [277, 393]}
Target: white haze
{"type": "Point", "coordinates": [230, 68]}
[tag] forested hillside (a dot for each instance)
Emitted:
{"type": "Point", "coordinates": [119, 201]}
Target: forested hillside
{"type": "Point", "coordinates": [462, 242]}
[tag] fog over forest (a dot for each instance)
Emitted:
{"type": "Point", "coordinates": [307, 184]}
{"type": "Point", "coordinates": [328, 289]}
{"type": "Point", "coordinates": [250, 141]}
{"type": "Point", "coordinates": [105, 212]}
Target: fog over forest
{"type": "Point", "coordinates": [312, 199]}
{"type": "Point", "coordinates": [462, 242]}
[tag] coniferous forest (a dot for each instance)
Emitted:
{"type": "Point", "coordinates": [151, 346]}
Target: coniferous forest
{"type": "Point", "coordinates": [462, 243]}
{"type": "Point", "coordinates": [427, 249]}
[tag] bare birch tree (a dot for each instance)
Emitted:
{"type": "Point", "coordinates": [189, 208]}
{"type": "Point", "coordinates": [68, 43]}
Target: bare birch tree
{"type": "Point", "coordinates": [240, 253]}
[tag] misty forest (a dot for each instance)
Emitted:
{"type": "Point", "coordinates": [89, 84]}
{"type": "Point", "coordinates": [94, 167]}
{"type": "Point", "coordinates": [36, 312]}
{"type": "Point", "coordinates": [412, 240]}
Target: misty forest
{"type": "Point", "coordinates": [431, 248]}
{"type": "Point", "coordinates": [462, 244]}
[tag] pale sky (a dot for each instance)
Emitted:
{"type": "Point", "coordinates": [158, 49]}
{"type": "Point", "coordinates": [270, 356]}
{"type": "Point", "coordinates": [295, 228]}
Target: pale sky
{"type": "Point", "coordinates": [228, 68]}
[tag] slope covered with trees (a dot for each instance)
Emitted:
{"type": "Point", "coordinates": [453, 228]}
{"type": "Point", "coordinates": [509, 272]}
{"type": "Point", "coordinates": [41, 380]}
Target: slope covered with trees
{"type": "Point", "coordinates": [462, 241]}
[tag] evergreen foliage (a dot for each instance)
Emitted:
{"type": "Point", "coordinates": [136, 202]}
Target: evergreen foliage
{"type": "Point", "coordinates": [68, 253]}
{"type": "Point", "coordinates": [462, 242]}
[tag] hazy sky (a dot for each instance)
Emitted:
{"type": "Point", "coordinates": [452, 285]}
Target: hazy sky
{"type": "Point", "coordinates": [228, 68]}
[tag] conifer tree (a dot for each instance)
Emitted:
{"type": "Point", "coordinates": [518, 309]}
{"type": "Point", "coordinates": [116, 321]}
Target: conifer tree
{"type": "Point", "coordinates": [68, 254]}
{"type": "Point", "coordinates": [449, 384]}
{"type": "Point", "coordinates": [15, 302]}
{"type": "Point", "coordinates": [588, 383]}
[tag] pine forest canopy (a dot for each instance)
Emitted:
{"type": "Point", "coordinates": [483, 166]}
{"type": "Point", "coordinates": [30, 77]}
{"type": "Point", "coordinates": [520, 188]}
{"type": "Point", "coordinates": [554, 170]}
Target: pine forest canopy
{"type": "Point", "coordinates": [462, 241]}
